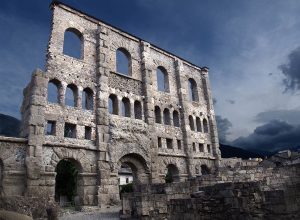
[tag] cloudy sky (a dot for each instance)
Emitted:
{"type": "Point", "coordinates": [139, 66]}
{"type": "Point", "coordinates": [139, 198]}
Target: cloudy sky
{"type": "Point", "coordinates": [251, 47]}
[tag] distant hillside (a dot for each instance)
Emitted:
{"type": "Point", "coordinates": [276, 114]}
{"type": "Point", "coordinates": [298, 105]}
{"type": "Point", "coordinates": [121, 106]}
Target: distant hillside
{"type": "Point", "coordinates": [230, 151]}
{"type": "Point", "coordinates": [9, 126]}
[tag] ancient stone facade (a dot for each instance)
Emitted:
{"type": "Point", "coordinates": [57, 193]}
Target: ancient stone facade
{"type": "Point", "coordinates": [115, 119]}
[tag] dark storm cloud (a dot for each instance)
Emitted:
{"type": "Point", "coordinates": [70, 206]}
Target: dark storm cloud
{"type": "Point", "coordinates": [273, 128]}
{"type": "Point", "coordinates": [290, 116]}
{"type": "Point", "coordinates": [272, 136]}
{"type": "Point", "coordinates": [291, 71]}
{"type": "Point", "coordinates": [223, 125]}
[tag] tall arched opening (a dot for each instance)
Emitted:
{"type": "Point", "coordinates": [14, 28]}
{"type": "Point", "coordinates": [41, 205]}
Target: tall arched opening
{"type": "Point", "coordinates": [68, 183]}
{"type": "Point", "coordinates": [134, 167]}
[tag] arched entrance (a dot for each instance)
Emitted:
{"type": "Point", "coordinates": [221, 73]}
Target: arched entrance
{"type": "Point", "coordinates": [136, 169]}
{"type": "Point", "coordinates": [172, 174]}
{"type": "Point", "coordinates": [68, 183]}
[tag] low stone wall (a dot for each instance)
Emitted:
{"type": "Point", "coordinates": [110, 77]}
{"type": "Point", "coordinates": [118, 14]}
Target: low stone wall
{"type": "Point", "coordinates": [12, 165]}
{"type": "Point", "coordinates": [248, 193]}
{"type": "Point", "coordinates": [237, 201]}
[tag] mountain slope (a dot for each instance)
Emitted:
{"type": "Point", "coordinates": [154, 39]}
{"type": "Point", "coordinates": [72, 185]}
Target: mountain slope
{"type": "Point", "coordinates": [9, 126]}
{"type": "Point", "coordinates": [230, 151]}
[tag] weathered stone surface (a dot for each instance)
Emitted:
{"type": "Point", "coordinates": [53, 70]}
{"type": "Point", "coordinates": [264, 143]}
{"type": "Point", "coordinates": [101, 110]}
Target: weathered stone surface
{"type": "Point", "coordinates": [97, 142]}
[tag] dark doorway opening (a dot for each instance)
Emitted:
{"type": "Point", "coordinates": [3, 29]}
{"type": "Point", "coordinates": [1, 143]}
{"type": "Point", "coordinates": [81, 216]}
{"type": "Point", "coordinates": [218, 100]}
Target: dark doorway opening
{"type": "Point", "coordinates": [172, 174]}
{"type": "Point", "coordinates": [66, 181]}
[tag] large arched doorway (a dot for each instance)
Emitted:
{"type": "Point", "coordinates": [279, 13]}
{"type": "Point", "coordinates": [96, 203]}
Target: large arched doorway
{"type": "Point", "coordinates": [172, 174]}
{"type": "Point", "coordinates": [134, 169]}
{"type": "Point", "coordinates": [68, 183]}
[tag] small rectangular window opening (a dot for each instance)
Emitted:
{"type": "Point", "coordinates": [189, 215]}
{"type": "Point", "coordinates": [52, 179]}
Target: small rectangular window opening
{"type": "Point", "coordinates": [70, 130]}
{"type": "Point", "coordinates": [159, 144]}
{"type": "Point", "coordinates": [179, 144]}
{"type": "Point", "coordinates": [87, 133]}
{"type": "Point", "coordinates": [50, 129]}
{"type": "Point", "coordinates": [208, 148]}
{"type": "Point", "coordinates": [201, 147]}
{"type": "Point", "coordinates": [194, 147]}
{"type": "Point", "coordinates": [169, 143]}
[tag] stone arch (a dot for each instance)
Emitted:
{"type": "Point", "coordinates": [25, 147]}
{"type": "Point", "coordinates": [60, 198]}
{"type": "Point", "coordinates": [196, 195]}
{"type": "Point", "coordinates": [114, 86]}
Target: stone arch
{"type": "Point", "coordinates": [123, 61]}
{"type": "Point", "coordinates": [167, 117]}
{"type": "Point", "coordinates": [76, 155]}
{"type": "Point", "coordinates": [175, 166]}
{"type": "Point", "coordinates": [54, 90]}
{"type": "Point", "coordinates": [113, 104]}
{"type": "Point", "coordinates": [88, 99]}
{"type": "Point", "coordinates": [191, 123]}
{"type": "Point", "coordinates": [205, 126]}
{"type": "Point", "coordinates": [68, 181]}
{"type": "Point", "coordinates": [73, 43]}
{"type": "Point", "coordinates": [193, 90]}
{"type": "Point", "coordinates": [84, 164]}
{"type": "Point", "coordinates": [157, 113]}
{"type": "Point", "coordinates": [138, 165]}
{"type": "Point", "coordinates": [125, 107]}
{"type": "Point", "coordinates": [138, 112]}
{"type": "Point", "coordinates": [162, 79]}
{"type": "Point", "coordinates": [198, 124]}
{"type": "Point", "coordinates": [176, 120]}
{"type": "Point", "coordinates": [71, 95]}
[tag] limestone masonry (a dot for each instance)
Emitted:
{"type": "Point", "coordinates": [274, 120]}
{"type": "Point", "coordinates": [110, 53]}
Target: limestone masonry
{"type": "Point", "coordinates": [117, 118]}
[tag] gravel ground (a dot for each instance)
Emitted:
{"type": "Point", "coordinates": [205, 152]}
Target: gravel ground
{"type": "Point", "coordinates": [92, 214]}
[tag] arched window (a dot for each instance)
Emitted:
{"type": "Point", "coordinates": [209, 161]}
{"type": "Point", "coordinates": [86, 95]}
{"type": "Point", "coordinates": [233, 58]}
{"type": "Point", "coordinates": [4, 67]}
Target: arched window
{"type": "Point", "coordinates": [53, 91]}
{"type": "Point", "coordinates": [198, 124]}
{"type": "Point", "coordinates": [123, 61]}
{"type": "Point", "coordinates": [71, 95]}
{"type": "Point", "coordinates": [162, 79]}
{"type": "Point", "coordinates": [176, 118]}
{"type": "Point", "coordinates": [87, 99]}
{"type": "Point", "coordinates": [193, 91]}
{"type": "Point", "coordinates": [205, 126]}
{"type": "Point", "coordinates": [113, 104]}
{"type": "Point", "coordinates": [125, 110]}
{"type": "Point", "coordinates": [191, 122]}
{"type": "Point", "coordinates": [157, 114]}
{"type": "Point", "coordinates": [137, 110]}
{"type": "Point", "coordinates": [167, 119]}
{"type": "Point", "coordinates": [73, 43]}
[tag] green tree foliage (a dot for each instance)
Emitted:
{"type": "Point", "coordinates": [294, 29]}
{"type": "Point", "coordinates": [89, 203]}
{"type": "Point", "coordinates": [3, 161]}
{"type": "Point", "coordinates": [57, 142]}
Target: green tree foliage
{"type": "Point", "coordinates": [126, 188]}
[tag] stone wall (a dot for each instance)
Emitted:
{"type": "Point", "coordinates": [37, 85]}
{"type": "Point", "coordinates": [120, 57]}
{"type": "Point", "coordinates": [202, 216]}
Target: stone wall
{"type": "Point", "coordinates": [12, 166]}
{"type": "Point", "coordinates": [252, 193]}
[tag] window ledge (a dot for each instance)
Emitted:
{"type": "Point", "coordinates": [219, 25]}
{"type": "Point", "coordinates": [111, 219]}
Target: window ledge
{"type": "Point", "coordinates": [123, 75]}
